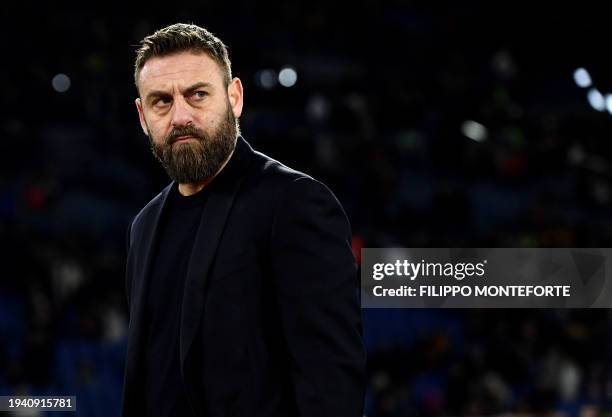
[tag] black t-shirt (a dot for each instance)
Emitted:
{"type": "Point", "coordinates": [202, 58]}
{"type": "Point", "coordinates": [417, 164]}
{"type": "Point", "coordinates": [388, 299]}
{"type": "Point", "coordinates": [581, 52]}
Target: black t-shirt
{"type": "Point", "coordinates": [163, 389]}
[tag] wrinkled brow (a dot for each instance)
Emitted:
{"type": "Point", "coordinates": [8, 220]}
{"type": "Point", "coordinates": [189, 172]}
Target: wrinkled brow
{"type": "Point", "coordinates": [163, 94]}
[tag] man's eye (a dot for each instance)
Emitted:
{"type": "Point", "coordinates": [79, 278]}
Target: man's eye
{"type": "Point", "coordinates": [200, 94]}
{"type": "Point", "coordinates": [161, 102]}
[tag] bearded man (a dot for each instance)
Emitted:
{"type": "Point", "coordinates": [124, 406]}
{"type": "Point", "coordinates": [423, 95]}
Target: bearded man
{"type": "Point", "coordinates": [241, 283]}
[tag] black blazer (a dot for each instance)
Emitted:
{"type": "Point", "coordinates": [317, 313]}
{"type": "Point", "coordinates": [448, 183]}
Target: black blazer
{"type": "Point", "coordinates": [270, 298]}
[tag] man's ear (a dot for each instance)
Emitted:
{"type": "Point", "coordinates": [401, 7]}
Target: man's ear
{"type": "Point", "coordinates": [235, 94]}
{"type": "Point", "coordinates": [143, 123]}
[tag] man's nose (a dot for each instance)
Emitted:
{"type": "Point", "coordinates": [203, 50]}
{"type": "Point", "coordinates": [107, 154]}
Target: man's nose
{"type": "Point", "coordinates": [182, 113]}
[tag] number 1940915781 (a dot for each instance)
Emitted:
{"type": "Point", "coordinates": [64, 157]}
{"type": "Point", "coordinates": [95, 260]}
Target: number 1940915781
{"type": "Point", "coordinates": [8, 403]}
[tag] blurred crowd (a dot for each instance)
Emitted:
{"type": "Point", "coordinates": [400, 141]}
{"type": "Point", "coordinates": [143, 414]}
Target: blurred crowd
{"type": "Point", "coordinates": [441, 126]}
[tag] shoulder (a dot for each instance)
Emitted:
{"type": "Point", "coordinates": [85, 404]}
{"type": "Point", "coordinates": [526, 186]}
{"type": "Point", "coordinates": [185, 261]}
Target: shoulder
{"type": "Point", "coordinates": [285, 181]}
{"type": "Point", "coordinates": [294, 193]}
{"type": "Point", "coordinates": [270, 170]}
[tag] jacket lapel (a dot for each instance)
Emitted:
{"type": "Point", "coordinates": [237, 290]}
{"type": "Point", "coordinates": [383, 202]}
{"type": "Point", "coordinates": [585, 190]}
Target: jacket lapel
{"type": "Point", "coordinates": [147, 234]}
{"type": "Point", "coordinates": [214, 217]}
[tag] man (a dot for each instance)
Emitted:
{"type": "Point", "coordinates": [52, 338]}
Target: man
{"type": "Point", "coordinates": [241, 283]}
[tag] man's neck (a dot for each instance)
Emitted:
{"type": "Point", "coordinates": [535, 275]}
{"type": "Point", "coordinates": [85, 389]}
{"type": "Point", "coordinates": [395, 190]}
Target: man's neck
{"type": "Point", "coordinates": [192, 188]}
{"type": "Point", "coordinates": [188, 189]}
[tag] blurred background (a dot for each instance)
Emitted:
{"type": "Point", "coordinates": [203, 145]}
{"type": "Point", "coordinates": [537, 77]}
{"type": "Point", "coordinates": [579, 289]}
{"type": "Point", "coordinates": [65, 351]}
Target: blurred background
{"type": "Point", "coordinates": [456, 124]}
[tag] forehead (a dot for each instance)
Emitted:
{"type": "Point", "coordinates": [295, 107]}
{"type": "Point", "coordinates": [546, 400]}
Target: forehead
{"type": "Point", "coordinates": [180, 69]}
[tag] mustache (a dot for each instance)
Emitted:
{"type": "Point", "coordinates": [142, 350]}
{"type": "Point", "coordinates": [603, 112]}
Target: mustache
{"type": "Point", "coordinates": [184, 131]}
